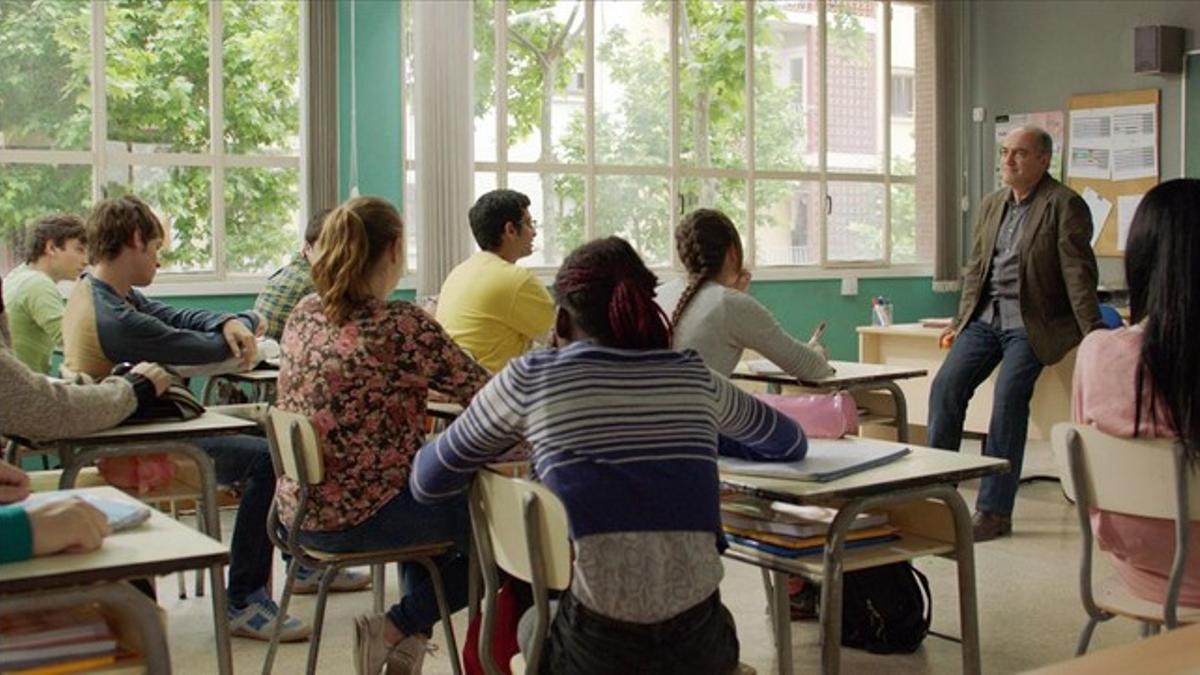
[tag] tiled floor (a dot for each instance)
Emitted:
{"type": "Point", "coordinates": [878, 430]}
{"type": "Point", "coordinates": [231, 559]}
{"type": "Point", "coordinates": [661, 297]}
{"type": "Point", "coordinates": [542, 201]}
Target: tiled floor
{"type": "Point", "coordinates": [1027, 584]}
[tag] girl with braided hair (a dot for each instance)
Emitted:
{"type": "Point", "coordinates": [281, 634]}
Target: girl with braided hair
{"type": "Point", "coordinates": [624, 431]}
{"type": "Point", "coordinates": [711, 311]}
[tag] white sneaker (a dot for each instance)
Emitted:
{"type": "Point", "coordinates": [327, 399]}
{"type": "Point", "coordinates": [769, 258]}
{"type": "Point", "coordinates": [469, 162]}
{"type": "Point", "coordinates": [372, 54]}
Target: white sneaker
{"type": "Point", "coordinates": [308, 581]}
{"type": "Point", "coordinates": [408, 654]}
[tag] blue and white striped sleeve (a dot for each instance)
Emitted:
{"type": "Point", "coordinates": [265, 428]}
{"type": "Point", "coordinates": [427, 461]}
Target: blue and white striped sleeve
{"type": "Point", "coordinates": [764, 434]}
{"type": "Point", "coordinates": [489, 426]}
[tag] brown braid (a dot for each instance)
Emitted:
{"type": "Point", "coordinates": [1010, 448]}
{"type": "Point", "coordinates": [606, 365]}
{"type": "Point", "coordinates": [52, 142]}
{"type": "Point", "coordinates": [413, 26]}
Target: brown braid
{"type": "Point", "coordinates": [702, 241]}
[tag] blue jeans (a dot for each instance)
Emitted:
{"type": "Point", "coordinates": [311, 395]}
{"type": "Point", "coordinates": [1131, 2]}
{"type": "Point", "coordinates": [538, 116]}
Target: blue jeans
{"type": "Point", "coordinates": [245, 461]}
{"type": "Point", "coordinates": [977, 350]}
{"type": "Point", "coordinates": [404, 522]}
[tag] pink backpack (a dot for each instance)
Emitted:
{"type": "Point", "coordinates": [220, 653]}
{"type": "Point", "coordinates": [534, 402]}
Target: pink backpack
{"type": "Point", "coordinates": [820, 415]}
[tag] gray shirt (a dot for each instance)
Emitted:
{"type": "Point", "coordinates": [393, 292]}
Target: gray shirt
{"type": "Point", "coordinates": [1003, 284]}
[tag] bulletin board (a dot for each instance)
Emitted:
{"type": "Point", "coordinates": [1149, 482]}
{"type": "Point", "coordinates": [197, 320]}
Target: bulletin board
{"type": "Point", "coordinates": [1112, 187]}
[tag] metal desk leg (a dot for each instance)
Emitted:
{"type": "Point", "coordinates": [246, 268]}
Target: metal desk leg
{"type": "Point", "coordinates": [901, 409]}
{"type": "Point", "coordinates": [964, 555]}
{"type": "Point", "coordinates": [781, 619]}
{"type": "Point", "coordinates": [216, 575]}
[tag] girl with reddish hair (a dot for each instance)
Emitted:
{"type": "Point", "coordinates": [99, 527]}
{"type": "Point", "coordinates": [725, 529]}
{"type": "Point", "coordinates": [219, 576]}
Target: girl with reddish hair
{"type": "Point", "coordinates": [624, 430]}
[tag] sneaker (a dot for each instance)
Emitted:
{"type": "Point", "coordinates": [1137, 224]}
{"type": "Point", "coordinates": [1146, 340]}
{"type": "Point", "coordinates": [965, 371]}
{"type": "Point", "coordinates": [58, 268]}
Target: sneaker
{"type": "Point", "coordinates": [408, 654]}
{"type": "Point", "coordinates": [988, 526]}
{"type": "Point", "coordinates": [308, 581]}
{"type": "Point", "coordinates": [372, 652]}
{"type": "Point", "coordinates": [257, 620]}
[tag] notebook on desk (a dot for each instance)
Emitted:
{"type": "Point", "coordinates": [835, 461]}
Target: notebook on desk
{"type": "Point", "coordinates": [826, 460]}
{"type": "Point", "coordinates": [121, 515]}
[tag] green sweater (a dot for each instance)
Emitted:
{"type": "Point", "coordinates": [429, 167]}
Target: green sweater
{"type": "Point", "coordinates": [16, 535]}
{"type": "Point", "coordinates": [35, 312]}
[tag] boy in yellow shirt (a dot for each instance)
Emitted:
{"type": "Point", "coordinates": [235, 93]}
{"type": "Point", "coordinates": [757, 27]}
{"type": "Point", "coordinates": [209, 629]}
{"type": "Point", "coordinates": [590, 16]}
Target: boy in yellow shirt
{"type": "Point", "coordinates": [492, 307]}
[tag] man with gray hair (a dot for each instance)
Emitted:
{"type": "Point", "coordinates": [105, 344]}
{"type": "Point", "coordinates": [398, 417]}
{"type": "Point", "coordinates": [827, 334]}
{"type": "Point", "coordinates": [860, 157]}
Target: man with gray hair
{"type": "Point", "coordinates": [1028, 298]}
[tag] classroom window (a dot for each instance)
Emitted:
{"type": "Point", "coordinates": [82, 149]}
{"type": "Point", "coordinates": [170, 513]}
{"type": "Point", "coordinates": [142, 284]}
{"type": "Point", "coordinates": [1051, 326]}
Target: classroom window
{"type": "Point", "coordinates": [192, 105]}
{"type": "Point", "coordinates": [782, 113]}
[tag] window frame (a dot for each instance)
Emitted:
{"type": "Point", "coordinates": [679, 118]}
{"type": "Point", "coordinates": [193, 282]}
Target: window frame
{"type": "Point", "coordinates": [217, 159]}
{"type": "Point", "coordinates": [675, 172]}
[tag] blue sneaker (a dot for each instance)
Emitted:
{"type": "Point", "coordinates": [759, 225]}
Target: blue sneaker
{"type": "Point", "coordinates": [257, 620]}
{"type": "Point", "coordinates": [308, 581]}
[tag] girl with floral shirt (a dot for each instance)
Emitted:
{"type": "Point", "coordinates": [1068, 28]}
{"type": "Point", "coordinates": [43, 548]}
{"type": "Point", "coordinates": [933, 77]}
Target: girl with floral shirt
{"type": "Point", "coordinates": [360, 368]}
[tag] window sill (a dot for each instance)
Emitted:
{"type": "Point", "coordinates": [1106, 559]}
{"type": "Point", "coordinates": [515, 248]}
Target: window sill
{"type": "Point", "coordinates": [546, 274]}
{"type": "Point", "coordinates": [178, 286]}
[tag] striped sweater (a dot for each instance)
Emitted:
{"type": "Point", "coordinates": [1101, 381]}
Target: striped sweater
{"type": "Point", "coordinates": [627, 439]}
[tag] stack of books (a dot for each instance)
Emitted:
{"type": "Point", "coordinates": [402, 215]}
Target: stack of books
{"type": "Point", "coordinates": [57, 641]}
{"type": "Point", "coordinates": [791, 531]}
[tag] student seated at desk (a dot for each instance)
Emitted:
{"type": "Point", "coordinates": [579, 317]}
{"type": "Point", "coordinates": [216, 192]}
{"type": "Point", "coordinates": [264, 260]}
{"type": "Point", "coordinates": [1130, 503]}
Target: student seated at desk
{"type": "Point", "coordinates": [55, 252]}
{"type": "Point", "coordinates": [108, 321]}
{"type": "Point", "coordinates": [492, 307]}
{"type": "Point", "coordinates": [624, 431]}
{"type": "Point", "coordinates": [1144, 380]}
{"type": "Point", "coordinates": [711, 311]}
{"type": "Point", "coordinates": [61, 526]}
{"type": "Point", "coordinates": [290, 283]}
{"type": "Point", "coordinates": [360, 367]}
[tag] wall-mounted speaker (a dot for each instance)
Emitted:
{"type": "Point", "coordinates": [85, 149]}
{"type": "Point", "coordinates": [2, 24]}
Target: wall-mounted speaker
{"type": "Point", "coordinates": [1157, 50]}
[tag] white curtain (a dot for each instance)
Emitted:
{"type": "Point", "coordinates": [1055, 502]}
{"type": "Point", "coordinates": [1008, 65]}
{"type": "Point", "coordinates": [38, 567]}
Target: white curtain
{"type": "Point", "coordinates": [443, 106]}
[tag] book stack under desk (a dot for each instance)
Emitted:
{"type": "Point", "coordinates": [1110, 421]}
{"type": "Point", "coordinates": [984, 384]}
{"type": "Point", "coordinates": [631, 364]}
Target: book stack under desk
{"type": "Point", "coordinates": [60, 641]}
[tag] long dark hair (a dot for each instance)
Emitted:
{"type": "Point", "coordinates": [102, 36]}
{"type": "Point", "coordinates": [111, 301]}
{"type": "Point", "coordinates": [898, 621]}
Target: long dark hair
{"type": "Point", "coordinates": [1162, 268]}
{"type": "Point", "coordinates": [702, 241]}
{"type": "Point", "coordinates": [610, 295]}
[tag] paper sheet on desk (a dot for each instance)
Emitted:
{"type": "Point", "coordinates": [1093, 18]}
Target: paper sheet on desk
{"type": "Point", "coordinates": [121, 515]}
{"type": "Point", "coordinates": [826, 460]}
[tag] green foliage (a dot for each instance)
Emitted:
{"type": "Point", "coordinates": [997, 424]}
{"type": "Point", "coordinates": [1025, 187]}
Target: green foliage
{"type": "Point", "coordinates": [157, 84]}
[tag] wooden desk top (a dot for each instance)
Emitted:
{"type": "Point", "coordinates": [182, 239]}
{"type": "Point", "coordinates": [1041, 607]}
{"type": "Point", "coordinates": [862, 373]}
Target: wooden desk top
{"type": "Point", "coordinates": [1171, 652]}
{"type": "Point", "coordinates": [443, 409]}
{"type": "Point", "coordinates": [257, 375]}
{"type": "Point", "coordinates": [905, 329]}
{"type": "Point", "coordinates": [920, 468]}
{"type": "Point", "coordinates": [848, 373]}
{"type": "Point", "coordinates": [160, 545]}
{"type": "Point", "coordinates": [208, 424]}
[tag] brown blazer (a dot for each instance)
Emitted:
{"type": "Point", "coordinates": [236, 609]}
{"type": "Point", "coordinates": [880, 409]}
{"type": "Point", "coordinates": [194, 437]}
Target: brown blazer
{"type": "Point", "coordinates": [1057, 268]}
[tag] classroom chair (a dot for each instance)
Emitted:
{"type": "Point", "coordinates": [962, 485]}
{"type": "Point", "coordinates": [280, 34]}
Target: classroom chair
{"type": "Point", "coordinates": [1130, 476]}
{"type": "Point", "coordinates": [296, 453]}
{"type": "Point", "coordinates": [521, 527]}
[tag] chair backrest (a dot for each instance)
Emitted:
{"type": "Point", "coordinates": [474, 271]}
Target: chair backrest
{"type": "Point", "coordinates": [1135, 476]}
{"type": "Point", "coordinates": [296, 446]}
{"type": "Point", "coordinates": [520, 516]}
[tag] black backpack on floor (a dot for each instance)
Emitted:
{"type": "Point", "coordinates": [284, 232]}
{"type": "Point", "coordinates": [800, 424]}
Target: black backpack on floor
{"type": "Point", "coordinates": [886, 609]}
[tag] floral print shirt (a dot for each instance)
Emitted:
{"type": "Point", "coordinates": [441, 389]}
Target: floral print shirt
{"type": "Point", "coordinates": [364, 385]}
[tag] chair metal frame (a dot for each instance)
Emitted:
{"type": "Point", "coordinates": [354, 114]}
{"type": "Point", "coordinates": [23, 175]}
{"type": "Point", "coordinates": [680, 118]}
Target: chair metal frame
{"type": "Point", "coordinates": [1072, 436]}
{"type": "Point", "coordinates": [541, 552]}
{"type": "Point", "coordinates": [286, 537]}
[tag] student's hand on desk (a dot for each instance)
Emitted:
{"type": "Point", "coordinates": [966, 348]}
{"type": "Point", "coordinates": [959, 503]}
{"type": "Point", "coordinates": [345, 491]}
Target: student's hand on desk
{"type": "Point", "coordinates": [14, 483]}
{"type": "Point", "coordinates": [260, 323]}
{"type": "Point", "coordinates": [66, 526]}
{"type": "Point", "coordinates": [241, 341]}
{"type": "Point", "coordinates": [157, 375]}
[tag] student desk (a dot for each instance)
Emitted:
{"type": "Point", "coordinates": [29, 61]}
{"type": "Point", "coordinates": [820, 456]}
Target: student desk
{"type": "Point", "coordinates": [853, 377]}
{"type": "Point", "coordinates": [139, 439]}
{"type": "Point", "coordinates": [157, 547]}
{"type": "Point", "coordinates": [911, 345]}
{"type": "Point", "coordinates": [910, 490]}
{"type": "Point", "coordinates": [1170, 652]}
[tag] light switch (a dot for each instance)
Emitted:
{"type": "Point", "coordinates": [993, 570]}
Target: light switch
{"type": "Point", "coordinates": [849, 285]}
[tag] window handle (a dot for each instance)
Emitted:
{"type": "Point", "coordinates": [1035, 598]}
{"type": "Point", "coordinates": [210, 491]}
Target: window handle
{"type": "Point", "coordinates": [828, 205]}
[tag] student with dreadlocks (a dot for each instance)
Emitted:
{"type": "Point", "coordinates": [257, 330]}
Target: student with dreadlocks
{"type": "Point", "coordinates": [1144, 380]}
{"type": "Point", "coordinates": [624, 430]}
{"type": "Point", "coordinates": [711, 311]}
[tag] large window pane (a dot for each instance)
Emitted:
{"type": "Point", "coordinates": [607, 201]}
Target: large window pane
{"type": "Point", "coordinates": [712, 84]}
{"type": "Point", "coordinates": [485, 79]}
{"type": "Point", "coordinates": [45, 83]}
{"type": "Point", "coordinates": [631, 60]}
{"type": "Point", "coordinates": [903, 86]}
{"type": "Point", "coordinates": [30, 191]}
{"type": "Point", "coordinates": [545, 79]}
{"type": "Point", "coordinates": [262, 218]}
{"type": "Point", "coordinates": [558, 194]}
{"type": "Point", "coordinates": [261, 71]}
{"type": "Point", "coordinates": [855, 221]}
{"type": "Point", "coordinates": [787, 222]}
{"type": "Point", "coordinates": [637, 208]}
{"type": "Point", "coordinates": [786, 97]}
{"type": "Point", "coordinates": [157, 74]}
{"type": "Point", "coordinates": [725, 194]}
{"type": "Point", "coordinates": [180, 197]}
{"type": "Point", "coordinates": [855, 139]}
{"type": "Point", "coordinates": [908, 244]}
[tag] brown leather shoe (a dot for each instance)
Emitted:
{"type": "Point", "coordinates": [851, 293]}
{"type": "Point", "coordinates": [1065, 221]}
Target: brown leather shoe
{"type": "Point", "coordinates": [988, 526]}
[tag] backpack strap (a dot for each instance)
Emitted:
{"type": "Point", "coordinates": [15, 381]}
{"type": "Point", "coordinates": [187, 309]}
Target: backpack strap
{"type": "Point", "coordinates": [923, 582]}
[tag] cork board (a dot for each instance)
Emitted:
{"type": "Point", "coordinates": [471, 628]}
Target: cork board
{"type": "Point", "coordinates": [1106, 245]}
